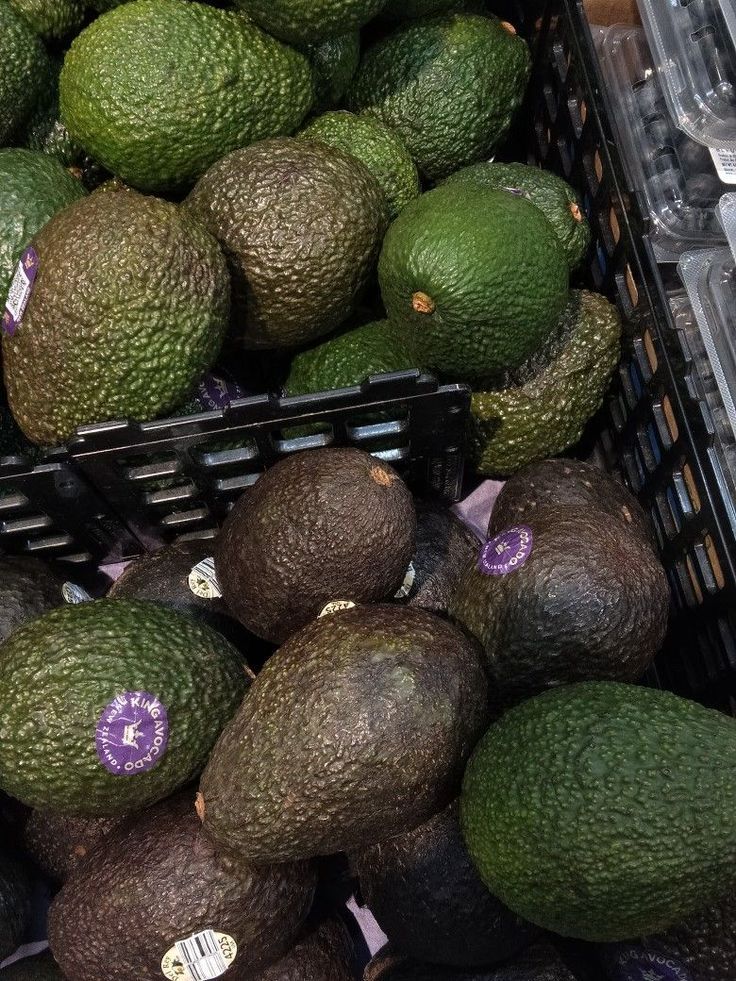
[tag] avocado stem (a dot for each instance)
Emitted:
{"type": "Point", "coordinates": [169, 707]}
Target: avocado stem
{"type": "Point", "coordinates": [423, 303]}
{"type": "Point", "coordinates": [576, 212]}
{"type": "Point", "coordinates": [199, 805]}
{"type": "Point", "coordinates": [508, 27]}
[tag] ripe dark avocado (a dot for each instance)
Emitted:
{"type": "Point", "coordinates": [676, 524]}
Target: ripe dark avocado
{"type": "Point", "coordinates": [160, 879]}
{"type": "Point", "coordinates": [477, 278]}
{"type": "Point", "coordinates": [604, 811]}
{"type": "Point", "coordinates": [430, 901]}
{"type": "Point", "coordinates": [538, 963]}
{"type": "Point", "coordinates": [15, 903]}
{"type": "Point", "coordinates": [301, 224]}
{"type": "Point", "coordinates": [372, 711]}
{"type": "Point", "coordinates": [319, 526]}
{"type": "Point", "coordinates": [335, 62]}
{"type": "Point", "coordinates": [568, 483]}
{"type": "Point", "coordinates": [24, 73]}
{"type": "Point", "coordinates": [448, 85]}
{"type": "Point", "coordinates": [324, 953]}
{"type": "Point", "coordinates": [41, 967]}
{"type": "Point", "coordinates": [297, 21]}
{"type": "Point", "coordinates": [587, 600]}
{"type": "Point", "coordinates": [28, 589]}
{"type": "Point", "coordinates": [111, 705]}
{"type": "Point", "coordinates": [128, 310]}
{"type": "Point", "coordinates": [59, 843]}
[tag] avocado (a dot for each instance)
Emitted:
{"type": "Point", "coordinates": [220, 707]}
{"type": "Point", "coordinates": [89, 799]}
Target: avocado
{"type": "Point", "coordinates": [45, 132]}
{"type": "Point", "coordinates": [539, 963]}
{"type": "Point", "coordinates": [374, 144]}
{"type": "Point", "coordinates": [156, 883]}
{"type": "Point", "coordinates": [554, 197]}
{"type": "Point", "coordinates": [542, 409]}
{"type": "Point", "coordinates": [40, 967]}
{"type": "Point", "coordinates": [52, 19]}
{"type": "Point", "coordinates": [111, 705]}
{"type": "Point", "coordinates": [603, 811]}
{"type": "Point", "coordinates": [429, 900]}
{"type": "Point", "coordinates": [370, 711]}
{"type": "Point", "coordinates": [335, 62]}
{"type": "Point", "coordinates": [28, 588]}
{"type": "Point", "coordinates": [301, 224]}
{"type": "Point", "coordinates": [197, 83]}
{"type": "Point", "coordinates": [321, 525]}
{"type": "Point", "coordinates": [59, 843]}
{"type": "Point", "coordinates": [569, 483]}
{"type": "Point", "coordinates": [565, 594]}
{"type": "Point", "coordinates": [411, 9]}
{"type": "Point", "coordinates": [24, 73]}
{"type": "Point", "coordinates": [477, 278]}
{"type": "Point", "coordinates": [702, 948]}
{"type": "Point", "coordinates": [128, 309]}
{"type": "Point", "coordinates": [348, 359]}
{"type": "Point", "coordinates": [448, 85]}
{"type": "Point", "coordinates": [323, 953]}
{"type": "Point", "coordinates": [297, 21]}
{"type": "Point", "coordinates": [15, 903]}
{"type": "Point", "coordinates": [33, 187]}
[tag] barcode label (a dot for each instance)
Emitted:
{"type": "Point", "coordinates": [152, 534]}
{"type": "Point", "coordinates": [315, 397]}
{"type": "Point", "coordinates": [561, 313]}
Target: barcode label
{"type": "Point", "coordinates": [201, 957]}
{"type": "Point", "coordinates": [20, 291]}
{"type": "Point", "coordinates": [725, 164]}
{"type": "Point", "coordinates": [408, 584]}
{"type": "Point", "coordinates": [203, 580]}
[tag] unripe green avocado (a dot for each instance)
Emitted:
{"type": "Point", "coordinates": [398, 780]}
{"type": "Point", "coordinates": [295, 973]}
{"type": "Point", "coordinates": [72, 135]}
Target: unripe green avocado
{"type": "Point", "coordinates": [24, 72]}
{"type": "Point", "coordinates": [52, 19]}
{"type": "Point", "coordinates": [297, 21]}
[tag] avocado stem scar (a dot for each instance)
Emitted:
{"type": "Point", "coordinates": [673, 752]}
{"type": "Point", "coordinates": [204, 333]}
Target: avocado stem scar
{"type": "Point", "coordinates": [576, 212]}
{"type": "Point", "coordinates": [199, 805]}
{"type": "Point", "coordinates": [508, 27]}
{"type": "Point", "coordinates": [423, 303]}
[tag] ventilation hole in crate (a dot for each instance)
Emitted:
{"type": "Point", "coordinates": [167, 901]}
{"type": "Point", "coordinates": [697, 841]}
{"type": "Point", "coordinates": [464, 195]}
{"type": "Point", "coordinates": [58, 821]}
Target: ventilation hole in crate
{"type": "Point", "coordinates": [550, 100]}
{"type": "Point", "coordinates": [663, 429]}
{"type": "Point", "coordinates": [663, 514]}
{"type": "Point", "coordinates": [293, 439]}
{"type": "Point", "coordinates": [623, 408]}
{"type": "Point", "coordinates": [25, 525]}
{"type": "Point", "coordinates": [657, 525]}
{"type": "Point", "coordinates": [645, 449]}
{"type": "Point", "coordinates": [685, 582]}
{"type": "Point", "coordinates": [602, 258]}
{"type": "Point", "coordinates": [51, 543]}
{"type": "Point", "coordinates": [675, 589]}
{"type": "Point", "coordinates": [631, 286]}
{"type": "Point", "coordinates": [692, 489]}
{"type": "Point", "coordinates": [675, 509]}
{"type": "Point", "coordinates": [181, 521]}
{"type": "Point", "coordinates": [649, 347]}
{"type": "Point", "coordinates": [157, 466]}
{"type": "Point", "coordinates": [542, 141]}
{"type": "Point", "coordinates": [714, 561]}
{"type": "Point", "coordinates": [669, 416]}
{"type": "Point", "coordinates": [236, 484]}
{"type": "Point", "coordinates": [694, 580]}
{"type": "Point", "coordinates": [614, 226]}
{"type": "Point", "coordinates": [174, 495]}
{"type": "Point", "coordinates": [12, 501]}
{"type": "Point", "coordinates": [566, 150]}
{"type": "Point", "coordinates": [624, 373]}
{"type": "Point", "coordinates": [633, 476]}
{"type": "Point", "coordinates": [616, 415]}
{"type": "Point", "coordinates": [705, 568]}
{"type": "Point", "coordinates": [654, 442]}
{"type": "Point", "coordinates": [225, 452]}
{"type": "Point", "coordinates": [637, 382]}
{"type": "Point", "coordinates": [640, 465]}
{"type": "Point", "coordinates": [598, 165]}
{"type": "Point", "coordinates": [560, 60]}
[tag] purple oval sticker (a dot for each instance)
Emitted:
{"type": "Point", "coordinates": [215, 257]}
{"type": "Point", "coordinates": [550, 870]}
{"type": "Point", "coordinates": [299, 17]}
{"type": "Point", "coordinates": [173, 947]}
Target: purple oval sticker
{"type": "Point", "coordinates": [132, 733]}
{"type": "Point", "coordinates": [639, 964]}
{"type": "Point", "coordinates": [506, 552]}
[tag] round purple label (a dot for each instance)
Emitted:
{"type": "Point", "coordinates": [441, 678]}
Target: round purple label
{"type": "Point", "coordinates": [132, 733]}
{"type": "Point", "coordinates": [638, 964]}
{"type": "Point", "coordinates": [215, 392]}
{"type": "Point", "coordinates": [506, 552]}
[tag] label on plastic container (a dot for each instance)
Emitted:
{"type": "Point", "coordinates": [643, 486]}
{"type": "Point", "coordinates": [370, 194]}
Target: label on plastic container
{"type": "Point", "coordinates": [408, 584]}
{"type": "Point", "coordinates": [73, 593]}
{"type": "Point", "coordinates": [334, 606]}
{"type": "Point", "coordinates": [215, 392]}
{"type": "Point", "coordinates": [201, 957]}
{"type": "Point", "coordinates": [20, 291]}
{"type": "Point", "coordinates": [203, 580]}
{"type": "Point", "coordinates": [506, 552]}
{"type": "Point", "coordinates": [629, 963]}
{"type": "Point", "coordinates": [725, 164]}
{"type": "Point", "coordinates": [132, 733]}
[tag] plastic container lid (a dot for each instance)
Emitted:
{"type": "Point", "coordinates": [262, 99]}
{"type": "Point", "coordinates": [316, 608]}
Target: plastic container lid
{"type": "Point", "coordinates": [675, 175]}
{"type": "Point", "coordinates": [693, 43]}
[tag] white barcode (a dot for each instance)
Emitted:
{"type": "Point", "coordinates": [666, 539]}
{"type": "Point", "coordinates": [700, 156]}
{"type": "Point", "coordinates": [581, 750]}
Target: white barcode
{"type": "Point", "coordinates": [725, 164]}
{"type": "Point", "coordinates": [203, 580]}
{"type": "Point", "coordinates": [20, 290]}
{"type": "Point", "coordinates": [201, 956]}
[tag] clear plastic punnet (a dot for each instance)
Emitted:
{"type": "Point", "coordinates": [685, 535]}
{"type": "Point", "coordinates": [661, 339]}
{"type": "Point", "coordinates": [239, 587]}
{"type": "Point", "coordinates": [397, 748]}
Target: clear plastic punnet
{"type": "Point", "coordinates": [693, 43]}
{"type": "Point", "coordinates": [675, 175]}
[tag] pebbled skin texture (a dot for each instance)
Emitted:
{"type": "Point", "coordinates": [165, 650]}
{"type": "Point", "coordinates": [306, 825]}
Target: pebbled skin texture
{"type": "Point", "coordinates": [538, 963]}
{"type": "Point", "coordinates": [41, 967]}
{"type": "Point", "coordinates": [158, 90]}
{"type": "Point", "coordinates": [33, 187]}
{"type": "Point", "coordinates": [429, 900]}
{"type": "Point", "coordinates": [15, 903]}
{"type": "Point", "coordinates": [322, 525]}
{"type": "Point", "coordinates": [24, 72]}
{"type": "Point", "coordinates": [60, 843]}
{"type": "Point", "coordinates": [375, 145]}
{"type": "Point", "coordinates": [493, 267]}
{"type": "Point", "coordinates": [604, 811]}
{"type": "Point", "coordinates": [449, 86]}
{"type": "Point", "coordinates": [51, 19]}
{"type": "Point", "coordinates": [297, 21]}
{"type": "Point", "coordinates": [45, 131]}
{"type": "Point", "coordinates": [410, 9]}
{"type": "Point", "coordinates": [58, 673]}
{"type": "Point", "coordinates": [301, 225]}
{"type": "Point", "coordinates": [129, 308]}
{"type": "Point", "coordinates": [590, 602]}
{"type": "Point", "coordinates": [325, 953]}
{"type": "Point", "coordinates": [544, 411]}
{"type": "Point", "coordinates": [371, 712]}
{"type": "Point", "coordinates": [28, 589]}
{"type": "Point", "coordinates": [569, 483]}
{"type": "Point", "coordinates": [553, 196]}
{"type": "Point", "coordinates": [129, 913]}
{"type": "Point", "coordinates": [335, 62]}
{"type": "Point", "coordinates": [445, 545]}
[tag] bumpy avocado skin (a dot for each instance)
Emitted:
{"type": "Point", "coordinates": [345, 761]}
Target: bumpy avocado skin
{"type": "Point", "coordinates": [386, 683]}
{"type": "Point", "coordinates": [158, 878]}
{"type": "Point", "coordinates": [448, 85]}
{"type": "Point", "coordinates": [445, 545]}
{"type": "Point", "coordinates": [15, 903]}
{"type": "Point", "coordinates": [59, 843]}
{"type": "Point", "coordinates": [539, 963]}
{"type": "Point", "coordinates": [635, 766]}
{"type": "Point", "coordinates": [430, 901]}
{"type": "Point", "coordinates": [28, 589]}
{"type": "Point", "coordinates": [25, 72]}
{"type": "Point", "coordinates": [301, 224]}
{"type": "Point", "coordinates": [129, 308]}
{"type": "Point", "coordinates": [335, 62]}
{"type": "Point", "coordinates": [51, 19]}
{"type": "Point", "coordinates": [158, 90]}
{"type": "Point", "coordinates": [324, 951]}
{"type": "Point", "coordinates": [297, 21]}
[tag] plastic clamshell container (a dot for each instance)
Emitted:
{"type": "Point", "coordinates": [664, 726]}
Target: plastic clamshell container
{"type": "Point", "coordinates": [693, 43]}
{"type": "Point", "coordinates": [674, 174]}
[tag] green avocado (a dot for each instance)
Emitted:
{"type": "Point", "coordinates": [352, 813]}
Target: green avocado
{"type": "Point", "coordinates": [538, 963]}
{"type": "Point", "coordinates": [24, 73]}
{"type": "Point", "coordinates": [553, 196]}
{"type": "Point", "coordinates": [15, 903]}
{"type": "Point", "coordinates": [411, 9]}
{"type": "Point", "coordinates": [28, 589]}
{"type": "Point", "coordinates": [375, 145]}
{"type": "Point", "coordinates": [477, 278]}
{"type": "Point", "coordinates": [297, 21]}
{"type": "Point", "coordinates": [60, 843]}
{"type": "Point", "coordinates": [40, 967]}
{"type": "Point", "coordinates": [397, 699]}
{"type": "Point", "coordinates": [129, 308]}
{"type": "Point", "coordinates": [45, 132]}
{"type": "Point", "coordinates": [161, 881]}
{"type": "Point", "coordinates": [301, 224]}
{"type": "Point", "coordinates": [197, 83]}
{"type": "Point", "coordinates": [604, 811]}
{"type": "Point", "coordinates": [325, 952]}
{"type": "Point", "coordinates": [33, 187]}
{"type": "Point", "coordinates": [543, 407]}
{"type": "Point", "coordinates": [449, 86]}
{"type": "Point", "coordinates": [567, 594]}
{"type": "Point", "coordinates": [65, 680]}
{"type": "Point", "coordinates": [335, 62]}
{"type": "Point", "coordinates": [52, 19]}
